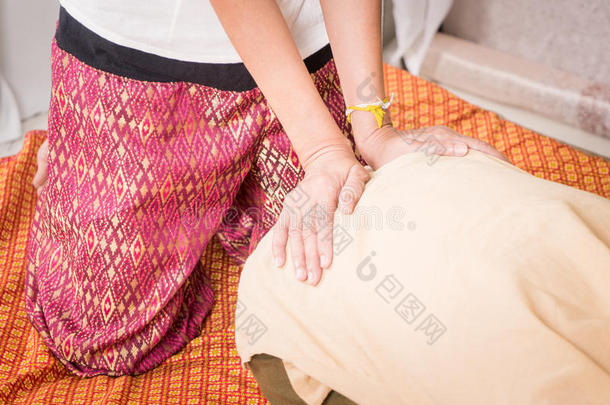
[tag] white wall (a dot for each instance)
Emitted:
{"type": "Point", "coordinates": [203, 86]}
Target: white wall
{"type": "Point", "coordinates": [26, 31]}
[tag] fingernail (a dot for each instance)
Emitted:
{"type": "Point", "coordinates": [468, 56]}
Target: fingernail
{"type": "Point", "coordinates": [301, 274]}
{"type": "Point", "coordinates": [310, 278]}
{"type": "Point", "coordinates": [461, 149]}
{"type": "Point", "coordinates": [324, 261]}
{"type": "Point", "coordinates": [278, 262]}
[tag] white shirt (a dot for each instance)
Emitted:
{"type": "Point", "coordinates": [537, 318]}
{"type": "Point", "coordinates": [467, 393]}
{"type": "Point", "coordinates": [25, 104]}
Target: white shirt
{"type": "Point", "coordinates": [187, 30]}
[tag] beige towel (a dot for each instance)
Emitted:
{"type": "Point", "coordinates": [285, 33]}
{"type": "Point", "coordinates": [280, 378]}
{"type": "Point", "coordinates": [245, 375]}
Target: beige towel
{"type": "Point", "coordinates": [472, 283]}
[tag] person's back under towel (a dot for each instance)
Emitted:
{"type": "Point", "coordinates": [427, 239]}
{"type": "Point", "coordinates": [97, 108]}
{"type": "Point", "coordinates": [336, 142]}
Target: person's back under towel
{"type": "Point", "coordinates": [481, 284]}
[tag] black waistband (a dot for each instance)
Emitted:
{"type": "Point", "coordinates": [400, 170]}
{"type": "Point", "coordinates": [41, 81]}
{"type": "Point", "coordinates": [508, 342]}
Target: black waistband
{"type": "Point", "coordinates": [95, 51]}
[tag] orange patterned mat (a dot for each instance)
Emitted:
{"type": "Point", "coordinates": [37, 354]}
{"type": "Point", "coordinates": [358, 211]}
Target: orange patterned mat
{"type": "Point", "coordinates": [208, 369]}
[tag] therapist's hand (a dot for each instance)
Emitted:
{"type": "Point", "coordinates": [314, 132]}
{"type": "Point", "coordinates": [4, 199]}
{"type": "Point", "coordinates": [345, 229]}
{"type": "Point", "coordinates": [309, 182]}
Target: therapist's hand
{"type": "Point", "coordinates": [387, 143]}
{"type": "Point", "coordinates": [334, 179]}
{"type": "Point", "coordinates": [42, 158]}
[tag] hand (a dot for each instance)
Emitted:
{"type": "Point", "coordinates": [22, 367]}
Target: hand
{"type": "Point", "coordinates": [40, 178]}
{"type": "Point", "coordinates": [387, 143]}
{"type": "Point", "coordinates": [333, 178]}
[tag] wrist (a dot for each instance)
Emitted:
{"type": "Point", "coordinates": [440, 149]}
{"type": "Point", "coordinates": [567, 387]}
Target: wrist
{"type": "Point", "coordinates": [367, 117]}
{"type": "Point", "coordinates": [364, 124]}
{"type": "Point", "coordinates": [373, 145]}
{"type": "Point", "coordinates": [336, 144]}
{"type": "Point", "coordinates": [311, 136]}
{"type": "Point", "coordinates": [368, 135]}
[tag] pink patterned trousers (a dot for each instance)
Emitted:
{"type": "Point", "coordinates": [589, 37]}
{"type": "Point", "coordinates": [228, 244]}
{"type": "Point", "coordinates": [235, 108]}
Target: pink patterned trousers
{"type": "Point", "coordinates": [141, 176]}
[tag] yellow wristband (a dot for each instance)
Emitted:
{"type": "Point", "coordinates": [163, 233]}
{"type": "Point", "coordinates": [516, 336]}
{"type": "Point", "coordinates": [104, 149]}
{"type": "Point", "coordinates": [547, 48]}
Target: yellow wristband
{"type": "Point", "coordinates": [378, 109]}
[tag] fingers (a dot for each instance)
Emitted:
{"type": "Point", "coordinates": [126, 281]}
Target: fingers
{"type": "Point", "coordinates": [297, 250]}
{"type": "Point", "coordinates": [41, 172]}
{"type": "Point", "coordinates": [453, 143]}
{"type": "Point", "coordinates": [441, 141]}
{"type": "Point", "coordinates": [476, 144]}
{"type": "Point", "coordinates": [325, 238]}
{"type": "Point", "coordinates": [39, 178]}
{"type": "Point", "coordinates": [484, 147]}
{"type": "Point", "coordinates": [353, 189]}
{"type": "Point", "coordinates": [307, 228]}
{"type": "Point", "coordinates": [280, 239]}
{"type": "Point", "coordinates": [289, 230]}
{"type": "Point", "coordinates": [452, 149]}
{"type": "Point", "coordinates": [348, 198]}
{"type": "Point", "coordinates": [310, 244]}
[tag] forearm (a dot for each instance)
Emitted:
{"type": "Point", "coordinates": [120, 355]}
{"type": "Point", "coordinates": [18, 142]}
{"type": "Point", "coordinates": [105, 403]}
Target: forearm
{"type": "Point", "coordinates": [271, 56]}
{"type": "Point", "coordinates": [354, 31]}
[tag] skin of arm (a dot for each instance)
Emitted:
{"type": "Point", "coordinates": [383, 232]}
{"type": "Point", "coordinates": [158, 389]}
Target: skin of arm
{"type": "Point", "coordinates": [354, 31]}
{"type": "Point", "coordinates": [260, 35]}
